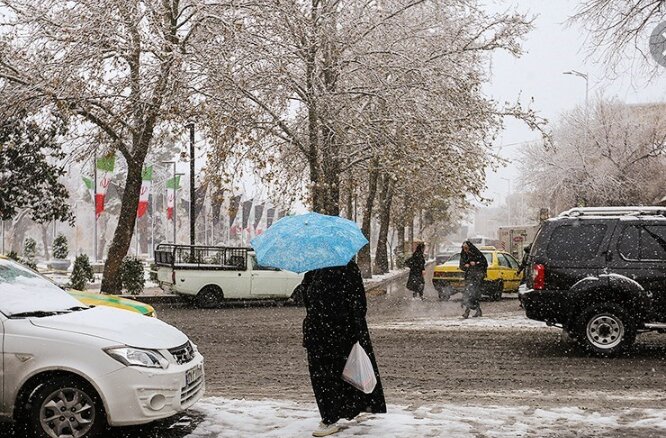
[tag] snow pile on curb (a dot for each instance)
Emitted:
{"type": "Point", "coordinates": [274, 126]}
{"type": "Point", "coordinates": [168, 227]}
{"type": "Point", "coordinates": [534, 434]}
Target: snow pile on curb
{"type": "Point", "coordinates": [458, 323]}
{"type": "Point", "coordinates": [282, 419]}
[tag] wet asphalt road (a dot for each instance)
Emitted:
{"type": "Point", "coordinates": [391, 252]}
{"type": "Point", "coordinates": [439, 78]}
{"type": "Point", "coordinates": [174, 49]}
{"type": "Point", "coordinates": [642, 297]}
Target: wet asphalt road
{"type": "Point", "coordinates": [255, 352]}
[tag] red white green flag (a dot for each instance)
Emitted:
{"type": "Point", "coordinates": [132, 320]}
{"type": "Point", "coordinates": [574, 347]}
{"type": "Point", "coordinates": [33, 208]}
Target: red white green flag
{"type": "Point", "coordinates": [171, 186]}
{"type": "Point", "coordinates": [146, 181]}
{"type": "Point", "coordinates": [105, 167]}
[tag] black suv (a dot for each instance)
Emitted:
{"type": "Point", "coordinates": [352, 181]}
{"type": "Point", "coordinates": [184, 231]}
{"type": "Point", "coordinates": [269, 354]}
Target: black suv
{"type": "Point", "coordinates": [600, 274]}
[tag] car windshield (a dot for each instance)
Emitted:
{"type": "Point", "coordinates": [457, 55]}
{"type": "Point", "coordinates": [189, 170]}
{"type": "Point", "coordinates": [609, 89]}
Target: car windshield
{"type": "Point", "coordinates": [24, 292]}
{"type": "Point", "coordinates": [455, 259]}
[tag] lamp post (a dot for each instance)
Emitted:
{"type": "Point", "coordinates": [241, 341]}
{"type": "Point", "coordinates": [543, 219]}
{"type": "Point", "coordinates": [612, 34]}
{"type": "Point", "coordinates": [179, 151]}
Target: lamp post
{"type": "Point", "coordinates": [587, 94]}
{"type": "Point", "coordinates": [508, 201]}
{"type": "Point", "coordinates": [192, 195]}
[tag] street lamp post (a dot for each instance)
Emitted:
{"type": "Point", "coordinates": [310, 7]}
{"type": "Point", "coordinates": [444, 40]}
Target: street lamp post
{"type": "Point", "coordinates": [587, 94]}
{"type": "Point", "coordinates": [192, 195]}
{"type": "Point", "coordinates": [508, 201]}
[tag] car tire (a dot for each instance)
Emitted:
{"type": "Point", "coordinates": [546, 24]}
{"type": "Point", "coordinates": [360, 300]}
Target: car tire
{"type": "Point", "coordinates": [605, 330]}
{"type": "Point", "coordinates": [209, 297]}
{"type": "Point", "coordinates": [44, 412]}
{"type": "Point", "coordinates": [297, 297]}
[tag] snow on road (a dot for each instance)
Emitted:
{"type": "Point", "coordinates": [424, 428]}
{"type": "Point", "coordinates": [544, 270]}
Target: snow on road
{"type": "Point", "coordinates": [285, 419]}
{"type": "Point", "coordinates": [458, 323]}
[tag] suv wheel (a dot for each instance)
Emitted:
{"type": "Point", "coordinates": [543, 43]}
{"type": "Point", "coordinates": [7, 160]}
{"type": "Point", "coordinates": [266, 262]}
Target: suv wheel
{"type": "Point", "coordinates": [605, 330]}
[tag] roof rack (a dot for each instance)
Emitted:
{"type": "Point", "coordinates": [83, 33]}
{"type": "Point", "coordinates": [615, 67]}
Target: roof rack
{"type": "Point", "coordinates": [614, 211]}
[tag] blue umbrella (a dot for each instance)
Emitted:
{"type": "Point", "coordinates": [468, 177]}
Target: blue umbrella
{"type": "Point", "coordinates": [309, 241]}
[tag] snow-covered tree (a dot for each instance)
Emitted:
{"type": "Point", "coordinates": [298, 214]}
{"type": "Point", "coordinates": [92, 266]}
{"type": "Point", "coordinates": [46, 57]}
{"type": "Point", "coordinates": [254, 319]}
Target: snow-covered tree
{"type": "Point", "coordinates": [119, 68]}
{"type": "Point", "coordinates": [619, 158]}
{"type": "Point", "coordinates": [620, 30]}
{"type": "Point", "coordinates": [30, 169]}
{"type": "Point", "coordinates": [347, 93]}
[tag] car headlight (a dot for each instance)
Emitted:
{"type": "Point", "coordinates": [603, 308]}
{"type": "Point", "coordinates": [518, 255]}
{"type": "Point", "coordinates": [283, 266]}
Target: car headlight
{"type": "Point", "coordinates": [137, 357]}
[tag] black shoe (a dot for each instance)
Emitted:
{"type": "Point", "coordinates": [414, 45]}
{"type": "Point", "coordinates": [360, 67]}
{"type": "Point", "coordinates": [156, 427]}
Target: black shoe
{"type": "Point", "coordinates": [466, 313]}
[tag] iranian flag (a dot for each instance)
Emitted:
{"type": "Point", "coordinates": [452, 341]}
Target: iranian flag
{"type": "Point", "coordinates": [146, 181]}
{"type": "Point", "coordinates": [105, 167]}
{"type": "Point", "coordinates": [90, 185]}
{"type": "Point", "coordinates": [171, 187]}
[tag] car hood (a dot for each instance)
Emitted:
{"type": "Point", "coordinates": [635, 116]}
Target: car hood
{"type": "Point", "coordinates": [126, 328]}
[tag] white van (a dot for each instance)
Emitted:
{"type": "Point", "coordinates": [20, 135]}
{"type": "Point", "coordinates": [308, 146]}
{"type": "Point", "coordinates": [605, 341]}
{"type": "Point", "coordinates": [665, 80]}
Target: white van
{"type": "Point", "coordinates": [71, 370]}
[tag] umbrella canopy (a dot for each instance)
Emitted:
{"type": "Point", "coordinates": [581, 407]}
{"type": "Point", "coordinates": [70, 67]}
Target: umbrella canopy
{"type": "Point", "coordinates": [309, 241]}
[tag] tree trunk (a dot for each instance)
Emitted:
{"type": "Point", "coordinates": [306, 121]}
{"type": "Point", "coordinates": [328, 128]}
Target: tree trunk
{"type": "Point", "coordinates": [45, 240]}
{"type": "Point", "coordinates": [17, 232]}
{"type": "Point", "coordinates": [400, 252]}
{"type": "Point", "coordinates": [350, 200]}
{"type": "Point", "coordinates": [411, 233]}
{"type": "Point", "coordinates": [364, 255]}
{"type": "Point", "coordinates": [122, 237]}
{"type": "Point", "coordinates": [381, 254]}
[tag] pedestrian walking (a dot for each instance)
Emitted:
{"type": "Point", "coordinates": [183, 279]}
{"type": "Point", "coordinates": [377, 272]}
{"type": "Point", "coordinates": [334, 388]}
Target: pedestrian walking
{"type": "Point", "coordinates": [336, 305]}
{"type": "Point", "coordinates": [416, 265]}
{"type": "Point", "coordinates": [474, 264]}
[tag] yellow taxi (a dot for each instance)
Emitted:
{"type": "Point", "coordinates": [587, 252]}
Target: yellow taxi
{"type": "Point", "coordinates": [502, 275]}
{"type": "Point", "coordinates": [93, 299]}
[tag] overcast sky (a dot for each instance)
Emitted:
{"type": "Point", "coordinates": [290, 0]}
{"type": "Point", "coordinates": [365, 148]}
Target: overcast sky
{"type": "Point", "coordinates": [551, 49]}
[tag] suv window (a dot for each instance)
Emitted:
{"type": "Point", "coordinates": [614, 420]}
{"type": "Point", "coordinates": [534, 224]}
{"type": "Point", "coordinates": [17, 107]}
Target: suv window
{"type": "Point", "coordinates": [629, 244]}
{"type": "Point", "coordinates": [653, 242]}
{"type": "Point", "coordinates": [576, 242]}
{"type": "Point", "coordinates": [643, 242]}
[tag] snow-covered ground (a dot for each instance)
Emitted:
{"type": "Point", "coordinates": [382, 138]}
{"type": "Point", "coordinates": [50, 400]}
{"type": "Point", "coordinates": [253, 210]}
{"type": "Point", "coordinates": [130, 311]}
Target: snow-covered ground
{"type": "Point", "coordinates": [458, 323]}
{"type": "Point", "coordinates": [285, 419]}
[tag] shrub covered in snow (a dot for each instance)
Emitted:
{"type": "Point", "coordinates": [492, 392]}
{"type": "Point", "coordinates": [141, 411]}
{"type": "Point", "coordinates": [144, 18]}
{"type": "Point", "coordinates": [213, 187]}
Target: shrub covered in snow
{"type": "Point", "coordinates": [82, 272]}
{"type": "Point", "coordinates": [60, 248]}
{"type": "Point", "coordinates": [132, 276]}
{"type": "Point", "coordinates": [29, 248]}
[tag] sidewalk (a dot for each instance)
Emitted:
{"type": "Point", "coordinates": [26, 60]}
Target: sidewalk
{"type": "Point", "coordinates": [155, 295]}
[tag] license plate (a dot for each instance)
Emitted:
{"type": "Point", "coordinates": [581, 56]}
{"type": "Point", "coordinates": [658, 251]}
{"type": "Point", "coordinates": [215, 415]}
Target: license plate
{"type": "Point", "coordinates": [193, 374]}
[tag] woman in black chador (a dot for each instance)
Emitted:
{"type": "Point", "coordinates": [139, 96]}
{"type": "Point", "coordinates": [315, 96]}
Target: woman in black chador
{"type": "Point", "coordinates": [335, 302]}
{"type": "Point", "coordinates": [474, 264]}
{"type": "Point", "coordinates": [416, 265]}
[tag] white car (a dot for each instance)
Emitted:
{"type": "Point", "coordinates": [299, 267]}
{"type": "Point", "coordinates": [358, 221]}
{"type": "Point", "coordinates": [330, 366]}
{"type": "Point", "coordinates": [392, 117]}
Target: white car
{"type": "Point", "coordinates": [215, 273]}
{"type": "Point", "coordinates": [69, 370]}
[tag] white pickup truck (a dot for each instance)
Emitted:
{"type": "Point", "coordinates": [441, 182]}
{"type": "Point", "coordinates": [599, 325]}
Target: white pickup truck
{"type": "Point", "coordinates": [212, 274]}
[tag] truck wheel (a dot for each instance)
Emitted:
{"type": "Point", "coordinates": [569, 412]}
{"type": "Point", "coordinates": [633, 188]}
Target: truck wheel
{"type": "Point", "coordinates": [209, 297]}
{"type": "Point", "coordinates": [605, 330]}
{"type": "Point", "coordinates": [64, 407]}
{"type": "Point", "coordinates": [297, 297]}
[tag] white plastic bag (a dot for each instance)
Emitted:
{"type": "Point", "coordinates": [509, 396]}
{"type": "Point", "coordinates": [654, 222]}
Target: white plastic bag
{"type": "Point", "coordinates": [358, 370]}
